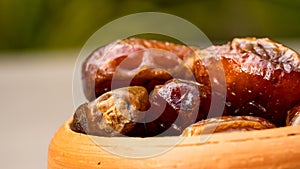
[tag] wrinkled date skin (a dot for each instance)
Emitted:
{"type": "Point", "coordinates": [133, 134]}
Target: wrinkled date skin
{"type": "Point", "coordinates": [262, 77]}
{"type": "Point", "coordinates": [112, 114]}
{"type": "Point", "coordinates": [163, 98]}
{"type": "Point", "coordinates": [127, 111]}
{"type": "Point", "coordinates": [227, 124]}
{"type": "Point", "coordinates": [134, 62]}
{"type": "Point", "coordinates": [174, 106]}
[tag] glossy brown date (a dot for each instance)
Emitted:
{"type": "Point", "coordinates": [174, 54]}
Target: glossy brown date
{"type": "Point", "coordinates": [227, 124]}
{"type": "Point", "coordinates": [134, 62]}
{"type": "Point", "coordinates": [174, 106]}
{"type": "Point", "coordinates": [262, 77]}
{"type": "Point", "coordinates": [127, 111]}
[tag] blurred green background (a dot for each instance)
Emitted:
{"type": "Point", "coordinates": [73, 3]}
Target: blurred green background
{"type": "Point", "coordinates": [67, 24]}
{"type": "Point", "coordinates": [41, 39]}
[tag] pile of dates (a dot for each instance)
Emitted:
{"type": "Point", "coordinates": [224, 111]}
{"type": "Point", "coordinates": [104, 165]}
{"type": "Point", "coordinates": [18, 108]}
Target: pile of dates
{"type": "Point", "coordinates": [144, 88]}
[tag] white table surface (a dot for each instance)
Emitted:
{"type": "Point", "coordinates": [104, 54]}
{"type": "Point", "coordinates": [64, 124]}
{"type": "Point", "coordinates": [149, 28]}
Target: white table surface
{"type": "Point", "coordinates": [36, 99]}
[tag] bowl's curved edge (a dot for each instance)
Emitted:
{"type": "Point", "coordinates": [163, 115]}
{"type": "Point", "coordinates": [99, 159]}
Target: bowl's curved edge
{"type": "Point", "coordinates": [272, 148]}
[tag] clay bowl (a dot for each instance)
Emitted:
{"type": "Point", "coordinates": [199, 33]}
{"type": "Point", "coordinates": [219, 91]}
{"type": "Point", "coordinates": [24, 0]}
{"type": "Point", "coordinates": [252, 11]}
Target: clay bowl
{"type": "Point", "coordinates": [271, 148]}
